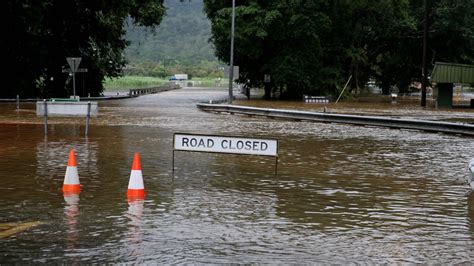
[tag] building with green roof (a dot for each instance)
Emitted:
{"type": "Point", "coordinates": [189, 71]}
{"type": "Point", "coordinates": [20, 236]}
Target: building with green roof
{"type": "Point", "coordinates": [445, 75]}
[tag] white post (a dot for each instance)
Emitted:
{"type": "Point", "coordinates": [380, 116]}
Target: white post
{"type": "Point", "coordinates": [45, 117]}
{"type": "Point", "coordinates": [88, 116]}
{"type": "Point", "coordinates": [345, 86]}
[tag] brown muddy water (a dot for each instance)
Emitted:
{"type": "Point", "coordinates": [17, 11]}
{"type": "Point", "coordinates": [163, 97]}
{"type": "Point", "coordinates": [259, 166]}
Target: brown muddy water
{"type": "Point", "coordinates": [343, 193]}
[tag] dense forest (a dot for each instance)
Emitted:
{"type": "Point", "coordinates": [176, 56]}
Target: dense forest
{"type": "Point", "coordinates": [307, 46]}
{"type": "Point", "coordinates": [40, 36]}
{"type": "Point", "coordinates": [314, 46]}
{"type": "Point", "coordinates": [179, 44]}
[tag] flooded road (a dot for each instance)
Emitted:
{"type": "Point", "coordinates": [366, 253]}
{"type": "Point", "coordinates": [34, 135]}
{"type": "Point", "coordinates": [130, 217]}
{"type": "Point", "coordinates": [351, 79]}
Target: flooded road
{"type": "Point", "coordinates": [343, 193]}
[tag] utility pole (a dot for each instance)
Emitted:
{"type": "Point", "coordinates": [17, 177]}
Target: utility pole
{"type": "Point", "coordinates": [424, 70]}
{"type": "Point", "coordinates": [231, 68]}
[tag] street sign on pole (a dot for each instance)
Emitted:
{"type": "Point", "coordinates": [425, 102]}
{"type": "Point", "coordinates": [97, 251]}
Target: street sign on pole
{"type": "Point", "coordinates": [235, 72]}
{"type": "Point", "coordinates": [266, 78]}
{"type": "Point", "coordinates": [74, 65]}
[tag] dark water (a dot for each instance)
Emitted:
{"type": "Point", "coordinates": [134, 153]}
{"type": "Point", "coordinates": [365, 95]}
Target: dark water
{"type": "Point", "coordinates": [343, 193]}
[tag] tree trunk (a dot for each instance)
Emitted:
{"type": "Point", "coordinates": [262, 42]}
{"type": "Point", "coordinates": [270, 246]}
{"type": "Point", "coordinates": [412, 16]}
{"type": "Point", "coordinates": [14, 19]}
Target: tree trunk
{"type": "Point", "coordinates": [385, 87]}
{"type": "Point", "coordinates": [268, 91]}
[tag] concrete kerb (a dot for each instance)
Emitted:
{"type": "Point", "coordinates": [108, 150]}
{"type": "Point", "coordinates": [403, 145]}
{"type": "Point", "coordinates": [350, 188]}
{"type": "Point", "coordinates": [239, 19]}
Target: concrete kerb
{"type": "Point", "coordinates": [423, 125]}
{"type": "Point", "coordinates": [82, 99]}
{"type": "Point", "coordinates": [119, 97]}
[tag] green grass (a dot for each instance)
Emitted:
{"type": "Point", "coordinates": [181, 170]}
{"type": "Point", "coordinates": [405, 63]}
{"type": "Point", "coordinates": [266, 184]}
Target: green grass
{"type": "Point", "coordinates": [132, 82]}
{"type": "Point", "coordinates": [139, 82]}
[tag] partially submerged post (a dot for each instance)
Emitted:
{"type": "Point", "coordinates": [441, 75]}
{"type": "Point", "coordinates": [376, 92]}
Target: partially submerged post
{"type": "Point", "coordinates": [45, 115]}
{"type": "Point", "coordinates": [88, 116]}
{"type": "Point", "coordinates": [66, 108]}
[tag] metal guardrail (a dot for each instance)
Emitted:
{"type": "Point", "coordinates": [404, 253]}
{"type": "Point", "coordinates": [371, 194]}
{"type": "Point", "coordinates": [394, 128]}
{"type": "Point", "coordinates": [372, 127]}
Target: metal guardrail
{"type": "Point", "coordinates": [138, 92]}
{"type": "Point", "coordinates": [430, 126]}
{"type": "Point", "coordinates": [216, 101]}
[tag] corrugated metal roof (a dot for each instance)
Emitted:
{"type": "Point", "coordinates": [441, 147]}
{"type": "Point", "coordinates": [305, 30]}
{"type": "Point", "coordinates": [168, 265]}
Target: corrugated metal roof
{"type": "Point", "coordinates": [452, 73]}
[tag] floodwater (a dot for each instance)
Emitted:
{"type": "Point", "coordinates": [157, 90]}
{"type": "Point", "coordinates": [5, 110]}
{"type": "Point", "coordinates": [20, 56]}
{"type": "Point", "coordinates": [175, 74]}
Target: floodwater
{"type": "Point", "coordinates": [343, 194]}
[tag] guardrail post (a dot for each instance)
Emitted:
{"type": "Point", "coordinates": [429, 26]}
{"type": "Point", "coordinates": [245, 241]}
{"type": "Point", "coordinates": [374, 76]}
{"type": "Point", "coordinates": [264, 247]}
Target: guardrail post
{"type": "Point", "coordinates": [88, 116]}
{"type": "Point", "coordinates": [17, 102]}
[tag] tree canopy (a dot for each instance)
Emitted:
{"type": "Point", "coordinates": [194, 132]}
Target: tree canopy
{"type": "Point", "coordinates": [41, 34]}
{"type": "Point", "coordinates": [313, 46]}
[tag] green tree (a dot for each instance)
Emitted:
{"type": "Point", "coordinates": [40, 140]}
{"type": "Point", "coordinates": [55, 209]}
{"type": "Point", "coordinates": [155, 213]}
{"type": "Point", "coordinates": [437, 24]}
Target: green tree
{"type": "Point", "coordinates": [314, 46]}
{"type": "Point", "coordinates": [450, 39]}
{"type": "Point", "coordinates": [310, 46]}
{"type": "Point", "coordinates": [280, 38]}
{"type": "Point", "coordinates": [368, 39]}
{"type": "Point", "coordinates": [43, 33]}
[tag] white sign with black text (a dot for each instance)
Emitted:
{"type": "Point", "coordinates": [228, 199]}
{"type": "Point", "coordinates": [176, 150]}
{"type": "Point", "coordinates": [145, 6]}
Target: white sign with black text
{"type": "Point", "coordinates": [223, 144]}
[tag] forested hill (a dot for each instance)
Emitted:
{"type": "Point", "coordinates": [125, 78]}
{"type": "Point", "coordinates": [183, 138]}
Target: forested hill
{"type": "Point", "coordinates": [181, 39]}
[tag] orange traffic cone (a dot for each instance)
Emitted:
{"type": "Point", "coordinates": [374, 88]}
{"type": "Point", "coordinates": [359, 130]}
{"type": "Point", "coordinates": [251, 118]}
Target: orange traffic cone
{"type": "Point", "coordinates": [136, 189]}
{"type": "Point", "coordinates": [71, 179]}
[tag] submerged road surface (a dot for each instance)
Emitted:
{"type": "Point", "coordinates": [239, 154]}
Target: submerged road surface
{"type": "Point", "coordinates": [343, 193]}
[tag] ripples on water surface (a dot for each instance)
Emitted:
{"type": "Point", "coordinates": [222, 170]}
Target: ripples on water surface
{"type": "Point", "coordinates": [343, 193]}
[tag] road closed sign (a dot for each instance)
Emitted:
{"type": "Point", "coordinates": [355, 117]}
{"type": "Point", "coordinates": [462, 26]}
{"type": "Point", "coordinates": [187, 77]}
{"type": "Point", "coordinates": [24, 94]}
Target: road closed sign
{"type": "Point", "coordinates": [223, 144]}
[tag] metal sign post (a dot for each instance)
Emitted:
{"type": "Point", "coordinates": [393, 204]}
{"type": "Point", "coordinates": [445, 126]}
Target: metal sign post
{"type": "Point", "coordinates": [45, 117]}
{"type": "Point", "coordinates": [266, 84]}
{"type": "Point", "coordinates": [88, 116]}
{"type": "Point", "coordinates": [74, 65]}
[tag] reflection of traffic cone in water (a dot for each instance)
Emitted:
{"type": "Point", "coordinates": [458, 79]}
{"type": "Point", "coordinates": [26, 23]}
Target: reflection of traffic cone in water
{"type": "Point", "coordinates": [135, 211]}
{"type": "Point", "coordinates": [136, 189]}
{"type": "Point", "coordinates": [71, 179]}
{"type": "Point", "coordinates": [71, 211]}
{"type": "Point", "coordinates": [135, 234]}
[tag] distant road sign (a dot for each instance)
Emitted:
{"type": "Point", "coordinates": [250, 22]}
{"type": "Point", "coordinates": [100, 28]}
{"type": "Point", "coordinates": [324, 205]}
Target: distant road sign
{"type": "Point", "coordinates": [73, 63]}
{"type": "Point", "coordinates": [227, 72]}
{"type": "Point", "coordinates": [266, 78]}
{"type": "Point", "coordinates": [65, 109]}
